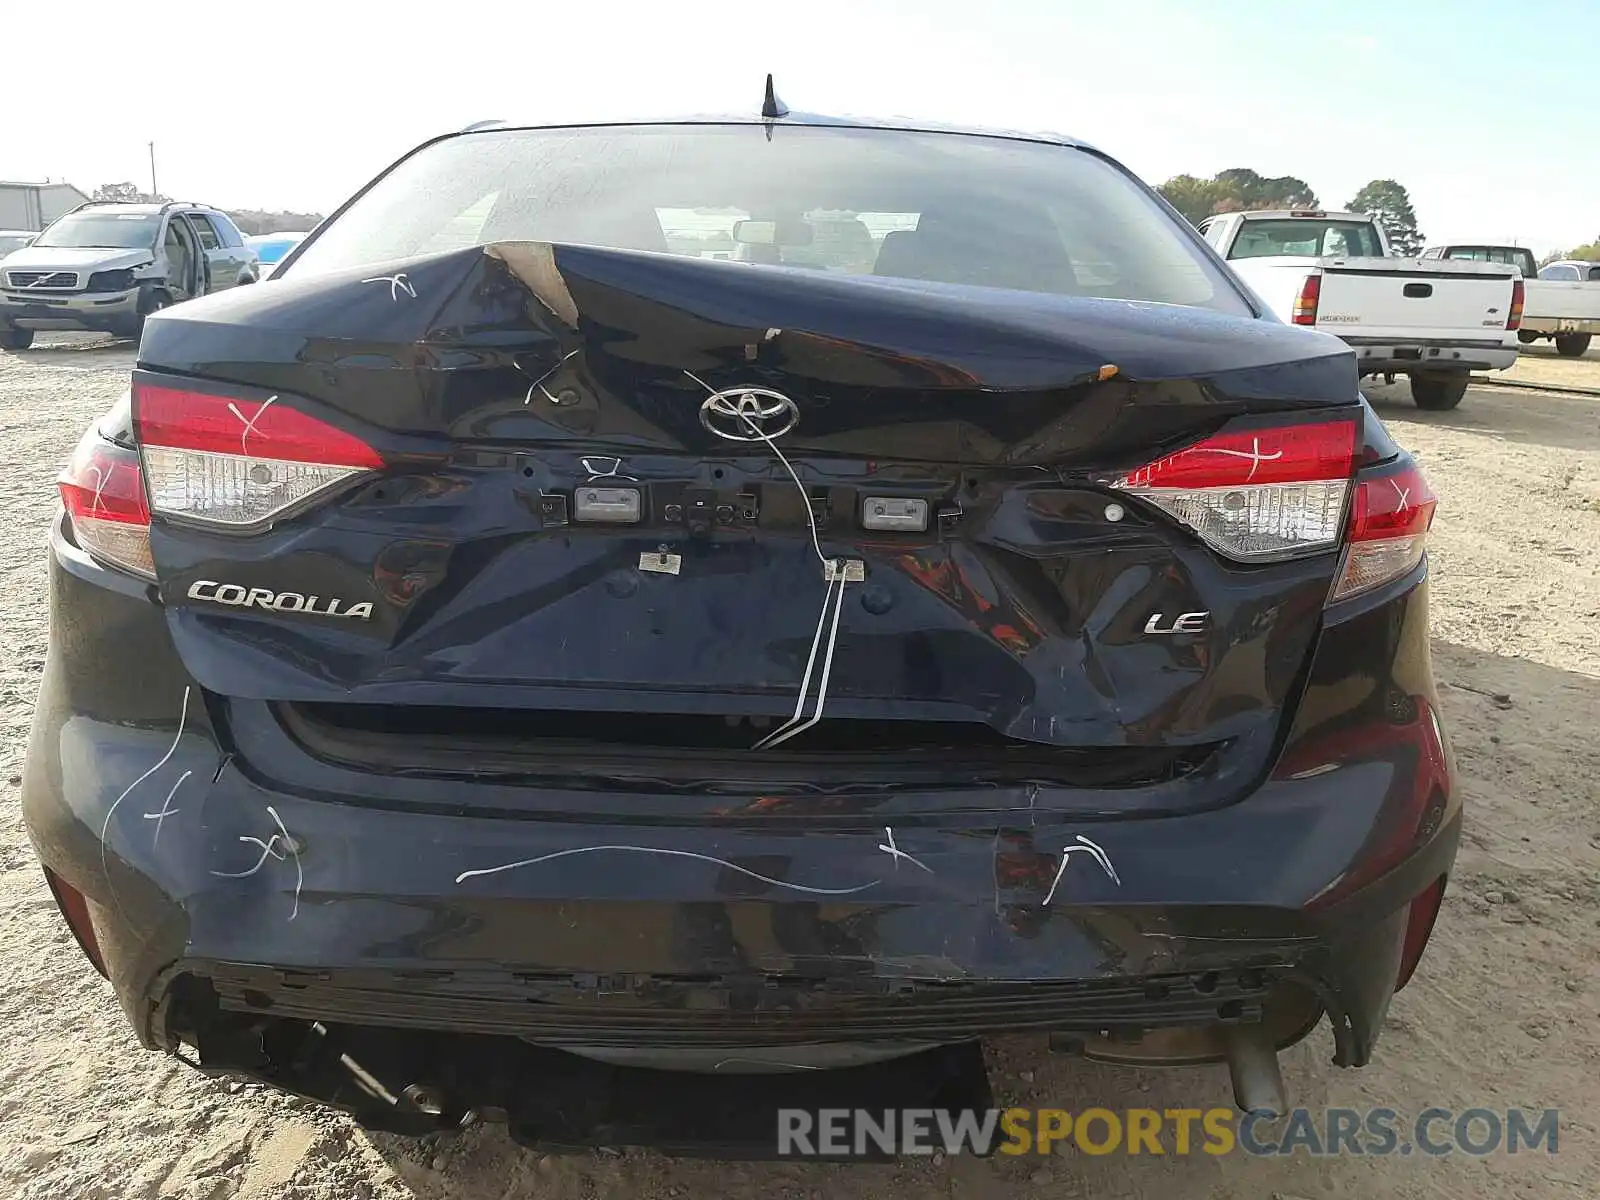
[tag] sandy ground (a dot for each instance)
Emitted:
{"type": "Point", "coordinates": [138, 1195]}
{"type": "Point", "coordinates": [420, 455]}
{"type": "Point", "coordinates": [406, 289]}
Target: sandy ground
{"type": "Point", "coordinates": [1539, 363]}
{"type": "Point", "coordinates": [1503, 1013]}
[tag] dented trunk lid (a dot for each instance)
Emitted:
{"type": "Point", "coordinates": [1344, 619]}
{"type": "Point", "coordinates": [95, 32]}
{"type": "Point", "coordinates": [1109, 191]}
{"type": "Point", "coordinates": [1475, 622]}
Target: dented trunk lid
{"type": "Point", "coordinates": [499, 383]}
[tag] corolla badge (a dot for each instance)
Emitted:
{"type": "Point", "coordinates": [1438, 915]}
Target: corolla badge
{"type": "Point", "coordinates": [236, 595]}
{"type": "Point", "coordinates": [749, 414]}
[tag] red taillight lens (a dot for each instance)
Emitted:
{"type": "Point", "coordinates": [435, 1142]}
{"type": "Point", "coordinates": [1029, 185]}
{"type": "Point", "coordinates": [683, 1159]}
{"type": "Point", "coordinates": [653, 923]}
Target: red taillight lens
{"type": "Point", "coordinates": [103, 494]}
{"type": "Point", "coordinates": [1305, 301]}
{"type": "Point", "coordinates": [1420, 919]}
{"type": "Point", "coordinates": [1259, 494]}
{"type": "Point", "coordinates": [1389, 520]}
{"type": "Point", "coordinates": [232, 462]}
{"type": "Point", "coordinates": [74, 908]}
{"type": "Point", "coordinates": [1514, 321]}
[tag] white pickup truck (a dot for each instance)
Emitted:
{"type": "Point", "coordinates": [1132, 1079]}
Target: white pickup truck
{"type": "Point", "coordinates": [1562, 298]}
{"type": "Point", "coordinates": [1434, 321]}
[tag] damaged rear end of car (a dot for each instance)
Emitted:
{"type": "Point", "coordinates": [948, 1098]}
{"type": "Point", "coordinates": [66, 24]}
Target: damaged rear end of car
{"type": "Point", "coordinates": [487, 675]}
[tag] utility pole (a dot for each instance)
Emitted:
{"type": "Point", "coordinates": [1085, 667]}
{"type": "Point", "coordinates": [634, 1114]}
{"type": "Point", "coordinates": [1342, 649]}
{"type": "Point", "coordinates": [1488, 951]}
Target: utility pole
{"type": "Point", "coordinates": [153, 192]}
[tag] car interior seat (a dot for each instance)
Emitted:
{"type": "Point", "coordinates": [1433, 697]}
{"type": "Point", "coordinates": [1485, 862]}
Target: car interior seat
{"type": "Point", "coordinates": [180, 274]}
{"type": "Point", "coordinates": [1017, 248]}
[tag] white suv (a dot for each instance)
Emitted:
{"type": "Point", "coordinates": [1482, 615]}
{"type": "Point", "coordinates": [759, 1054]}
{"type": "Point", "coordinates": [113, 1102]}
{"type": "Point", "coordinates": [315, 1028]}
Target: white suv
{"type": "Point", "coordinates": [107, 266]}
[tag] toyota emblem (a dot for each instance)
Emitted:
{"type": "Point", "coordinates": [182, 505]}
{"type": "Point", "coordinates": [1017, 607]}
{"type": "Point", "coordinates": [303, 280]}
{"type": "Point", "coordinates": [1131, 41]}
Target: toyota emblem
{"type": "Point", "coordinates": [749, 414]}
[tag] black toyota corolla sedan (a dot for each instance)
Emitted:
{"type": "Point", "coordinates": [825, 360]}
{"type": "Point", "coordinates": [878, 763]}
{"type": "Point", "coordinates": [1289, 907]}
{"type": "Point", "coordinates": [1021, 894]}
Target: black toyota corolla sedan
{"type": "Point", "coordinates": [647, 610]}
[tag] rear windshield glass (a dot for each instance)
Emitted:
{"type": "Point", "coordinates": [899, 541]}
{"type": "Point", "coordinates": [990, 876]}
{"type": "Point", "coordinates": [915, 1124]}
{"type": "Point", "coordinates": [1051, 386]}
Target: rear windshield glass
{"type": "Point", "coordinates": [947, 208]}
{"type": "Point", "coordinates": [122, 231]}
{"type": "Point", "coordinates": [1304, 237]}
{"type": "Point", "coordinates": [1516, 256]}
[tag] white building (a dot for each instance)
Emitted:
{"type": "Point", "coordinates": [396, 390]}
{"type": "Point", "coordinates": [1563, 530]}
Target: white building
{"type": "Point", "coordinates": [35, 205]}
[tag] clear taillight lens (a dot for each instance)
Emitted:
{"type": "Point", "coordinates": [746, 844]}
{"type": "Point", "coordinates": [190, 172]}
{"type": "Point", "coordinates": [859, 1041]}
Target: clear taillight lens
{"type": "Point", "coordinates": [104, 497]}
{"type": "Point", "coordinates": [1257, 495]}
{"type": "Point", "coordinates": [1389, 519]}
{"type": "Point", "coordinates": [238, 463]}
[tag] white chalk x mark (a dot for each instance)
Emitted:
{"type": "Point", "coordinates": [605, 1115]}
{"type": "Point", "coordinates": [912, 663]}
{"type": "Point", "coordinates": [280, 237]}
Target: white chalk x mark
{"type": "Point", "coordinates": [397, 283]}
{"type": "Point", "coordinates": [614, 471]}
{"type": "Point", "coordinates": [250, 422]}
{"type": "Point", "coordinates": [897, 854]}
{"type": "Point", "coordinates": [279, 847]}
{"type": "Point", "coordinates": [166, 810]}
{"type": "Point", "coordinates": [1093, 850]}
{"type": "Point", "coordinates": [1253, 454]}
{"type": "Point", "coordinates": [105, 827]}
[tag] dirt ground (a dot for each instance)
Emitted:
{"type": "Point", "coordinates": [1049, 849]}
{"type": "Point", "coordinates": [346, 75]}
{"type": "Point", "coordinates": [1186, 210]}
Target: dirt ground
{"type": "Point", "coordinates": [1503, 1012]}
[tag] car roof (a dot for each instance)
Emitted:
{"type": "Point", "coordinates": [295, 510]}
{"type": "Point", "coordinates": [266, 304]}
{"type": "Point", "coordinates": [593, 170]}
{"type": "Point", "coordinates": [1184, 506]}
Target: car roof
{"type": "Point", "coordinates": [1317, 213]}
{"type": "Point", "coordinates": [806, 120]}
{"type": "Point", "coordinates": [143, 206]}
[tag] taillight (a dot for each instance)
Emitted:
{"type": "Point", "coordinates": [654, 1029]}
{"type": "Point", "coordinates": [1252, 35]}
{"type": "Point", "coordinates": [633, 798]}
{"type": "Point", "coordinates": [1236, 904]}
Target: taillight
{"type": "Point", "coordinates": [1389, 519]}
{"type": "Point", "coordinates": [1259, 494]}
{"type": "Point", "coordinates": [1305, 301]}
{"type": "Point", "coordinates": [103, 494]}
{"type": "Point", "coordinates": [1424, 911]}
{"type": "Point", "coordinates": [231, 462]}
{"type": "Point", "coordinates": [74, 906]}
{"type": "Point", "coordinates": [1514, 321]}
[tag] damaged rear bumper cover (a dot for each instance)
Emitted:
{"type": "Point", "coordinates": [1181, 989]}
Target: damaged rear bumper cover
{"type": "Point", "coordinates": [451, 940]}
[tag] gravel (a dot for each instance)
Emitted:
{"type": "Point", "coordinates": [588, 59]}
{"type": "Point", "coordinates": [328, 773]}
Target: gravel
{"type": "Point", "coordinates": [1500, 1014]}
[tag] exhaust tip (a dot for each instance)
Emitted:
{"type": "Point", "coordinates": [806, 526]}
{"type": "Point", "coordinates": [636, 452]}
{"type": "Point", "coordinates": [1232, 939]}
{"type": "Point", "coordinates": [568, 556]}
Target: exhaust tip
{"type": "Point", "coordinates": [1254, 1070]}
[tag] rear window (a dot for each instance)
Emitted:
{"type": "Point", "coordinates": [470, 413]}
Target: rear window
{"type": "Point", "coordinates": [1515, 256]}
{"type": "Point", "coordinates": [945, 208]}
{"type": "Point", "coordinates": [1306, 237]}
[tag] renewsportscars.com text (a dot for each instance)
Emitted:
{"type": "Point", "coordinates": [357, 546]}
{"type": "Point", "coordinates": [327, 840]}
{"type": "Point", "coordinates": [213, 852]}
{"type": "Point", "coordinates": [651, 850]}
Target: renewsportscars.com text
{"type": "Point", "coordinates": [1329, 1132]}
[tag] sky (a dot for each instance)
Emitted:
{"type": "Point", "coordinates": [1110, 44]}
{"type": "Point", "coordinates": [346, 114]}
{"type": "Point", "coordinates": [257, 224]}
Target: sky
{"type": "Point", "coordinates": [291, 105]}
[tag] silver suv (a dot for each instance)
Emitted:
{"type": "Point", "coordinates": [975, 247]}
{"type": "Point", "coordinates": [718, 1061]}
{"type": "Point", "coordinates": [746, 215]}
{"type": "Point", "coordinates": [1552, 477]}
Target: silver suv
{"type": "Point", "coordinates": [107, 266]}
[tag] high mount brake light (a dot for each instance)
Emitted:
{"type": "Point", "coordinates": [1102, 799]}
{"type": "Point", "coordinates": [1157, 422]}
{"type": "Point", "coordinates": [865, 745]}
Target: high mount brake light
{"type": "Point", "coordinates": [103, 494]}
{"type": "Point", "coordinates": [1389, 519]}
{"type": "Point", "coordinates": [237, 463]}
{"type": "Point", "coordinates": [1260, 494]}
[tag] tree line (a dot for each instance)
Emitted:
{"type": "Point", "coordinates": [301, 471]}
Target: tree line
{"type": "Point", "coordinates": [1240, 189]}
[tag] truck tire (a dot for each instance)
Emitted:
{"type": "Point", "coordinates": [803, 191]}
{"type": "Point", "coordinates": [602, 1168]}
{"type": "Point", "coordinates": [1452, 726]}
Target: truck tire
{"type": "Point", "coordinates": [1527, 337]}
{"type": "Point", "coordinates": [1572, 345]}
{"type": "Point", "coordinates": [1438, 391]}
{"type": "Point", "coordinates": [15, 339]}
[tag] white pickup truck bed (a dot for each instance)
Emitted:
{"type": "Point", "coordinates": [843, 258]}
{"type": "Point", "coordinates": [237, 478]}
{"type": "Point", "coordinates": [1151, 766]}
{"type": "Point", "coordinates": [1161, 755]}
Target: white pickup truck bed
{"type": "Point", "coordinates": [1562, 299]}
{"type": "Point", "coordinates": [1432, 320]}
{"type": "Point", "coordinates": [1398, 312]}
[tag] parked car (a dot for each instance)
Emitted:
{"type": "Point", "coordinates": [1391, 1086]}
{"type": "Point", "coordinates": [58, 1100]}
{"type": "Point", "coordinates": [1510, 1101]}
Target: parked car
{"type": "Point", "coordinates": [14, 239]}
{"type": "Point", "coordinates": [271, 247]}
{"type": "Point", "coordinates": [503, 654]}
{"type": "Point", "coordinates": [108, 266]}
{"type": "Point", "coordinates": [1561, 301]}
{"type": "Point", "coordinates": [1433, 321]}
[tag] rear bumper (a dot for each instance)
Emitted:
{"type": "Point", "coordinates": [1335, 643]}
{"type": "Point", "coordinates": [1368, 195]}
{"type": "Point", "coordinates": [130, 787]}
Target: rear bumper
{"type": "Point", "coordinates": [225, 904]}
{"type": "Point", "coordinates": [79, 310]}
{"type": "Point", "coordinates": [1377, 355]}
